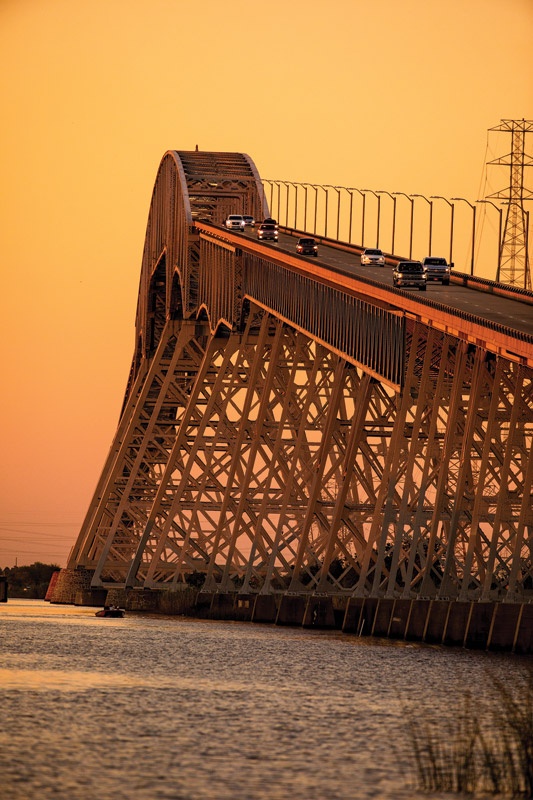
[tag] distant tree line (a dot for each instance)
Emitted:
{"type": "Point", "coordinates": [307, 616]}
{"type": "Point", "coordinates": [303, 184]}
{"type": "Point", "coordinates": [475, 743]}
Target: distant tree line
{"type": "Point", "coordinates": [31, 581]}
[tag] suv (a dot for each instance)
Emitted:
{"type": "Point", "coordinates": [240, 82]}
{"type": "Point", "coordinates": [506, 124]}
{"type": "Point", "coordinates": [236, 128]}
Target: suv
{"type": "Point", "coordinates": [437, 269]}
{"type": "Point", "coordinates": [249, 221]}
{"type": "Point", "coordinates": [372, 256]}
{"type": "Point", "coordinates": [307, 247]}
{"type": "Point", "coordinates": [409, 273]}
{"type": "Point", "coordinates": [266, 231]}
{"type": "Point", "coordinates": [235, 222]}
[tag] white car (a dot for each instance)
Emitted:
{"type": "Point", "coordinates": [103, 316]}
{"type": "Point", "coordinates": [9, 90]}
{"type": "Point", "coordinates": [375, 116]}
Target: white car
{"type": "Point", "coordinates": [372, 256]}
{"type": "Point", "coordinates": [249, 221]}
{"type": "Point", "coordinates": [235, 222]}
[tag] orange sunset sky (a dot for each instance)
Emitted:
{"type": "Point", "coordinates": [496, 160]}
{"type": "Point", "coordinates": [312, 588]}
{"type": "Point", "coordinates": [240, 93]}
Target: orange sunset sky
{"type": "Point", "coordinates": [385, 94]}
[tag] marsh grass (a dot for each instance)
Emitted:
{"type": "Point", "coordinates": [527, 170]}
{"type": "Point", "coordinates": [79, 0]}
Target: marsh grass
{"type": "Point", "coordinates": [488, 749]}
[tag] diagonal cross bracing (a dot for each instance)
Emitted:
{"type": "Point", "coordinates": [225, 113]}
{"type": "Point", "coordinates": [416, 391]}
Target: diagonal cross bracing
{"type": "Point", "coordinates": [282, 435]}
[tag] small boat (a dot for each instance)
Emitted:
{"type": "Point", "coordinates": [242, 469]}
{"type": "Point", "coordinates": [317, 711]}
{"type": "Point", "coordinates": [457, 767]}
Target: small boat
{"type": "Point", "coordinates": [110, 611]}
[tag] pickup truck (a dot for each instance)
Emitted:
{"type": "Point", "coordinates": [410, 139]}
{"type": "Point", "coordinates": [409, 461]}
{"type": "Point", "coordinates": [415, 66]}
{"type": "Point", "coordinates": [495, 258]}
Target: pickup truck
{"type": "Point", "coordinates": [235, 222]}
{"type": "Point", "coordinates": [409, 273]}
{"type": "Point", "coordinates": [437, 269]}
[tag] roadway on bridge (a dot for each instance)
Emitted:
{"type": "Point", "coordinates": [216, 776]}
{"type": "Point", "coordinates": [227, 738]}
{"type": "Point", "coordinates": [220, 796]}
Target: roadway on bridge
{"type": "Point", "coordinates": [511, 313]}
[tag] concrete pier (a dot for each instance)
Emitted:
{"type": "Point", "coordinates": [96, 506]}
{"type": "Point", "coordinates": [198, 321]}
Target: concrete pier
{"type": "Point", "coordinates": [505, 627]}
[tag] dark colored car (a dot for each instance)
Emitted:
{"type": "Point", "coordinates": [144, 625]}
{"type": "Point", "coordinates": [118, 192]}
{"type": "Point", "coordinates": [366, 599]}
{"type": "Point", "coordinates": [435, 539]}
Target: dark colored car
{"type": "Point", "coordinates": [409, 273]}
{"type": "Point", "coordinates": [265, 231]}
{"type": "Point", "coordinates": [270, 221]}
{"type": "Point", "coordinates": [307, 247]}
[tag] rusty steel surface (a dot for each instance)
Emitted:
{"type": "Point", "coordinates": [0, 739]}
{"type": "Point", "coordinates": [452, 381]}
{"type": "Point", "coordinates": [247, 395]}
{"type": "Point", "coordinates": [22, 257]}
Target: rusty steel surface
{"type": "Point", "coordinates": [291, 427]}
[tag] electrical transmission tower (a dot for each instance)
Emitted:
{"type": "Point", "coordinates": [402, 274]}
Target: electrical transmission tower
{"type": "Point", "coordinates": [513, 263]}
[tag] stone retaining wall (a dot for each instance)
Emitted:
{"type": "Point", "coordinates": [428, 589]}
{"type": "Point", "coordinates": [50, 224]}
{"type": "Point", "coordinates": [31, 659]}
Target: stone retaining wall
{"type": "Point", "coordinates": [67, 583]}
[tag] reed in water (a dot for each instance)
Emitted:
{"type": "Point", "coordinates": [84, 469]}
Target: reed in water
{"type": "Point", "coordinates": [487, 749]}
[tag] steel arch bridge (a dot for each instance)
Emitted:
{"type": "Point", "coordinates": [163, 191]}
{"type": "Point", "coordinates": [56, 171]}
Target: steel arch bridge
{"type": "Point", "coordinates": [288, 431]}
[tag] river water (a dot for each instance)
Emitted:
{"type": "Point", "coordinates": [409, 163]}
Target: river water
{"type": "Point", "coordinates": [151, 707]}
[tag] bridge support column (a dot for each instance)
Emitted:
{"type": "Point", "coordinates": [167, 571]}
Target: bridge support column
{"type": "Point", "coordinates": [71, 587]}
{"type": "Point", "coordinates": [401, 614]}
{"type": "Point", "coordinates": [505, 622]}
{"type": "Point", "coordinates": [437, 621]}
{"type": "Point", "coordinates": [477, 635]}
{"type": "Point", "coordinates": [244, 607]}
{"type": "Point", "coordinates": [352, 615]}
{"type": "Point", "coordinates": [524, 635]}
{"type": "Point", "coordinates": [265, 608]}
{"type": "Point", "coordinates": [291, 610]}
{"type": "Point", "coordinates": [319, 613]}
{"type": "Point", "coordinates": [383, 617]}
{"type": "Point", "coordinates": [223, 606]}
{"type": "Point", "coordinates": [415, 630]}
{"type": "Point", "coordinates": [457, 623]}
{"type": "Point", "coordinates": [368, 615]}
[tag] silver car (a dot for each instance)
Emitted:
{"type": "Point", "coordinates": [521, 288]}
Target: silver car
{"type": "Point", "coordinates": [235, 222]}
{"type": "Point", "coordinates": [372, 256]}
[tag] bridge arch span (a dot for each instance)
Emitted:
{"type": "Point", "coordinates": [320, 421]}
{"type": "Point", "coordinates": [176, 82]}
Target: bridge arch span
{"type": "Point", "coordinates": [286, 436]}
{"type": "Point", "coordinates": [191, 186]}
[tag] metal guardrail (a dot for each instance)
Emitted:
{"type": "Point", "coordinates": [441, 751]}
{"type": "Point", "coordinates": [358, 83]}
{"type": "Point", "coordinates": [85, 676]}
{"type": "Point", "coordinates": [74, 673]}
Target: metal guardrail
{"type": "Point", "coordinates": [479, 284]}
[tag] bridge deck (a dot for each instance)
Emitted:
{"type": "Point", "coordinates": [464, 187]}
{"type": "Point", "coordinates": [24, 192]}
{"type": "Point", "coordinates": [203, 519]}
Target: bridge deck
{"type": "Point", "coordinates": [477, 312]}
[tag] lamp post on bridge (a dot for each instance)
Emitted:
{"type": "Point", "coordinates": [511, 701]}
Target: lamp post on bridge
{"type": "Point", "coordinates": [412, 201]}
{"type": "Point", "coordinates": [306, 187]}
{"type": "Point", "coordinates": [363, 195]}
{"type": "Point", "coordinates": [295, 185]}
{"type": "Point", "coordinates": [394, 199]}
{"type": "Point", "coordinates": [324, 189]}
{"type": "Point", "coordinates": [313, 186]}
{"type": "Point", "coordinates": [473, 230]}
{"type": "Point", "coordinates": [452, 207]}
{"type": "Point", "coordinates": [338, 190]}
{"type": "Point", "coordinates": [351, 212]}
{"type": "Point", "coordinates": [430, 202]}
{"type": "Point", "coordinates": [286, 184]}
{"type": "Point", "coordinates": [500, 212]}
{"type": "Point", "coordinates": [277, 183]}
{"type": "Point", "coordinates": [271, 184]}
{"type": "Point", "coordinates": [278, 214]}
{"type": "Point", "coordinates": [376, 194]}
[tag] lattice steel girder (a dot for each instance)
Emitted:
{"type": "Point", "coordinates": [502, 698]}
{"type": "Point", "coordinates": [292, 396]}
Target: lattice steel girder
{"type": "Point", "coordinates": [266, 462]}
{"type": "Point", "coordinates": [131, 471]}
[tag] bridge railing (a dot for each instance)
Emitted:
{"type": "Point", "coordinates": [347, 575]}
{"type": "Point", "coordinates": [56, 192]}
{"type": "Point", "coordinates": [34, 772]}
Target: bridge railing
{"type": "Point", "coordinates": [397, 222]}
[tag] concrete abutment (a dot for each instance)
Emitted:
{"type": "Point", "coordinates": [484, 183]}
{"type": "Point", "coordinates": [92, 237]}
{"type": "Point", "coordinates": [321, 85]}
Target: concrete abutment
{"type": "Point", "coordinates": [504, 627]}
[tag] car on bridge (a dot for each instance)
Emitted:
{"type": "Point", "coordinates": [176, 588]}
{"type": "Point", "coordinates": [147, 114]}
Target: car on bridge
{"type": "Point", "coordinates": [266, 231]}
{"type": "Point", "coordinates": [307, 247]}
{"type": "Point", "coordinates": [372, 256]}
{"type": "Point", "coordinates": [270, 221]}
{"type": "Point", "coordinates": [409, 273]}
{"type": "Point", "coordinates": [437, 269]}
{"type": "Point", "coordinates": [249, 221]}
{"type": "Point", "coordinates": [235, 222]}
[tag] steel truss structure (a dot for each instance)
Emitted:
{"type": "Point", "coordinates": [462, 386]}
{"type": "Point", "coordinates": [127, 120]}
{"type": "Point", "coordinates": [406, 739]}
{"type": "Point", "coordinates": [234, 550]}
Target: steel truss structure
{"type": "Point", "coordinates": [260, 453]}
{"type": "Point", "coordinates": [513, 266]}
